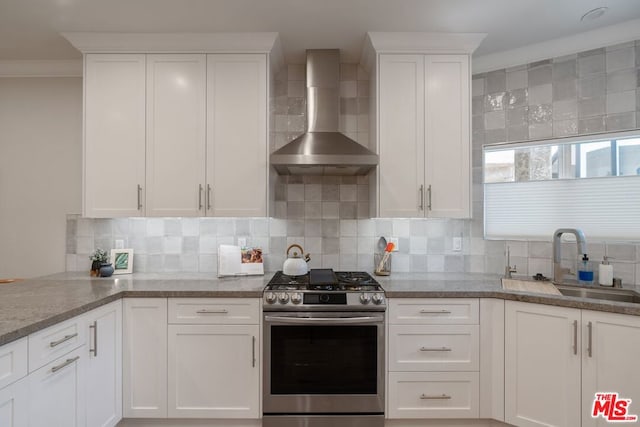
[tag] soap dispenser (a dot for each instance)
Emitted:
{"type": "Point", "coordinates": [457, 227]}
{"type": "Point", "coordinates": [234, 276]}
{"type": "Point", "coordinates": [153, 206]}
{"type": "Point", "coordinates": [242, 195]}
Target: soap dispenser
{"type": "Point", "coordinates": [585, 271]}
{"type": "Point", "coordinates": [605, 272]}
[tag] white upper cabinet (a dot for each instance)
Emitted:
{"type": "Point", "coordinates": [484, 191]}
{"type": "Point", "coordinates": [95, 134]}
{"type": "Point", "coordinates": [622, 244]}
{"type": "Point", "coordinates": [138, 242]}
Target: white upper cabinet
{"type": "Point", "coordinates": [114, 135]}
{"type": "Point", "coordinates": [424, 137]}
{"type": "Point", "coordinates": [176, 126]}
{"type": "Point", "coordinates": [236, 135]}
{"type": "Point", "coordinates": [421, 122]}
{"type": "Point", "coordinates": [401, 88]}
{"type": "Point", "coordinates": [447, 136]}
{"type": "Point", "coordinates": [171, 132]}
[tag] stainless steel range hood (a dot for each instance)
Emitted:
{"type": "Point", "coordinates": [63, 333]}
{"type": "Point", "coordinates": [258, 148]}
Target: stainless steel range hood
{"type": "Point", "coordinates": [322, 150]}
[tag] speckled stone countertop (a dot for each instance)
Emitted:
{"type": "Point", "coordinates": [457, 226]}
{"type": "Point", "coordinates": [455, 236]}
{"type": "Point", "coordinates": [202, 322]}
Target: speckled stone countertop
{"type": "Point", "coordinates": [471, 285]}
{"type": "Point", "coordinates": [32, 305]}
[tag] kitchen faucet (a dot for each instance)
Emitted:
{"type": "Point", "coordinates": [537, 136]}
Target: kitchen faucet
{"type": "Point", "coordinates": [558, 271]}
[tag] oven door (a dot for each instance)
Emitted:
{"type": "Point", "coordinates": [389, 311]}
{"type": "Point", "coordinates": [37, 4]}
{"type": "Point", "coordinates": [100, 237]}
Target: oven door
{"type": "Point", "coordinates": [323, 363]}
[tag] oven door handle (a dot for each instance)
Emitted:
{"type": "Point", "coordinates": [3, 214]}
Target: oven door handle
{"type": "Point", "coordinates": [325, 320]}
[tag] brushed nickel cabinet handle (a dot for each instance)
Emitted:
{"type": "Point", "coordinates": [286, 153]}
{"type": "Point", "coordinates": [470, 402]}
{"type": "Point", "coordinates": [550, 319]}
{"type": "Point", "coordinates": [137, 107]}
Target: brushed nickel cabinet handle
{"type": "Point", "coordinates": [209, 196]}
{"type": "Point", "coordinates": [575, 337]}
{"type": "Point", "coordinates": [253, 352]}
{"type": "Point", "coordinates": [429, 197]}
{"type": "Point", "coordinates": [435, 397]}
{"type": "Point", "coordinates": [421, 190]}
{"type": "Point", "coordinates": [94, 350]}
{"type": "Point", "coordinates": [200, 197]}
{"type": "Point", "coordinates": [435, 349]}
{"type": "Point", "coordinates": [61, 340]}
{"type": "Point", "coordinates": [435, 312]}
{"type": "Point", "coordinates": [64, 364]}
{"type": "Point", "coordinates": [139, 197]}
{"type": "Point", "coordinates": [205, 311]}
{"type": "Point", "coordinates": [590, 345]}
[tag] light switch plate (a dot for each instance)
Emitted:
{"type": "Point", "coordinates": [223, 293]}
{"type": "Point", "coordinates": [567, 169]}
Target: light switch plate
{"type": "Point", "coordinates": [456, 244]}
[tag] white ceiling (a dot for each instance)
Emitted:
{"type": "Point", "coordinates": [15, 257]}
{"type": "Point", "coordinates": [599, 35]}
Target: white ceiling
{"type": "Point", "coordinates": [29, 28]}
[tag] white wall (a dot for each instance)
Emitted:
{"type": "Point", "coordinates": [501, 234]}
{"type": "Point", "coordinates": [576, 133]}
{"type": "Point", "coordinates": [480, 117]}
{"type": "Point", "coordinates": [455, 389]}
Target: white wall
{"type": "Point", "coordinates": [40, 172]}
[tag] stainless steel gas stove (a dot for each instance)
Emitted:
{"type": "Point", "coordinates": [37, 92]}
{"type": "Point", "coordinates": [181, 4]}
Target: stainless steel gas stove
{"type": "Point", "coordinates": [323, 350]}
{"type": "Point", "coordinates": [324, 290]}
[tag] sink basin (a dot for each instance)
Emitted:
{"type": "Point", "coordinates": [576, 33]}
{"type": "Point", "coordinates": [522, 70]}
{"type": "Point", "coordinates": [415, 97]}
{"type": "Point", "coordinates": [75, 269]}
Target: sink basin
{"type": "Point", "coordinates": [617, 295]}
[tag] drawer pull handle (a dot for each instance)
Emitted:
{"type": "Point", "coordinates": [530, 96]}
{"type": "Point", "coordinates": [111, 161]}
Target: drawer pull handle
{"type": "Point", "coordinates": [435, 312]}
{"type": "Point", "coordinates": [63, 339]}
{"type": "Point", "coordinates": [435, 397]}
{"type": "Point", "coordinates": [435, 349]}
{"type": "Point", "coordinates": [223, 311]}
{"type": "Point", "coordinates": [64, 364]}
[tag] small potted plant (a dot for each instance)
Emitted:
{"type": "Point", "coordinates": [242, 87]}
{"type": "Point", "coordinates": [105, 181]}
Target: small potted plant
{"type": "Point", "coordinates": [100, 265]}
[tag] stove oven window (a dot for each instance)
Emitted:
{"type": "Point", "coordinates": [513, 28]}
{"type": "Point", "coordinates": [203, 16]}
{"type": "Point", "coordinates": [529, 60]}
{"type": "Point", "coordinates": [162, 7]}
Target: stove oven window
{"type": "Point", "coordinates": [324, 359]}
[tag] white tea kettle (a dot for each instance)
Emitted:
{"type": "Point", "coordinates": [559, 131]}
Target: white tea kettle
{"type": "Point", "coordinates": [296, 264]}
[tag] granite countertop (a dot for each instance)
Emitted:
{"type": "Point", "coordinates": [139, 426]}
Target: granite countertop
{"type": "Point", "coordinates": [34, 304]}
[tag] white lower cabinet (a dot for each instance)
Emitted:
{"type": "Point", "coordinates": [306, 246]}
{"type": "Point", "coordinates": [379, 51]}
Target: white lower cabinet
{"type": "Point", "coordinates": [144, 365]}
{"type": "Point", "coordinates": [611, 346]}
{"type": "Point", "coordinates": [434, 359]}
{"type": "Point", "coordinates": [542, 365]}
{"type": "Point", "coordinates": [433, 394]}
{"type": "Point", "coordinates": [14, 404]}
{"type": "Point", "coordinates": [214, 362]}
{"type": "Point", "coordinates": [104, 365]}
{"type": "Point", "coordinates": [214, 371]}
{"type": "Point", "coordinates": [56, 392]}
{"type": "Point", "coordinates": [558, 358]}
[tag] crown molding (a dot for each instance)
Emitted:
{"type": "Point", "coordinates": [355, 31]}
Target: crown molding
{"type": "Point", "coordinates": [41, 68]}
{"type": "Point", "coordinates": [417, 42]}
{"type": "Point", "coordinates": [90, 42]}
{"type": "Point", "coordinates": [594, 39]}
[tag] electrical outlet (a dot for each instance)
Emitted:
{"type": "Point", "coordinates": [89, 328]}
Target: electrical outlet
{"type": "Point", "coordinates": [119, 244]}
{"type": "Point", "coordinates": [457, 244]}
{"type": "Point", "coordinates": [396, 244]}
{"type": "Point", "coordinates": [242, 242]}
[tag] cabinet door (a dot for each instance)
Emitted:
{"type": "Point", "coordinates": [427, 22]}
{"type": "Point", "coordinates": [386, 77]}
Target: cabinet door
{"type": "Point", "coordinates": [609, 361]}
{"type": "Point", "coordinates": [114, 135]}
{"type": "Point", "coordinates": [14, 404]}
{"type": "Point", "coordinates": [447, 136]}
{"type": "Point", "coordinates": [401, 127]}
{"type": "Point", "coordinates": [144, 373]}
{"type": "Point", "coordinates": [214, 371]}
{"type": "Point", "coordinates": [176, 97]}
{"type": "Point", "coordinates": [104, 365]}
{"type": "Point", "coordinates": [56, 392]}
{"type": "Point", "coordinates": [236, 135]}
{"type": "Point", "coordinates": [542, 365]}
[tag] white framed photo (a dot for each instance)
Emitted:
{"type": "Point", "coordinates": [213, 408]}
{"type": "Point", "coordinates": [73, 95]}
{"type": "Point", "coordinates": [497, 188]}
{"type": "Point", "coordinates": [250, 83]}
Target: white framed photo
{"type": "Point", "coordinates": [122, 260]}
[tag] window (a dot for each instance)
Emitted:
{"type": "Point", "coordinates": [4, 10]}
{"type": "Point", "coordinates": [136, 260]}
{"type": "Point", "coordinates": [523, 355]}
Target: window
{"type": "Point", "coordinates": [592, 183]}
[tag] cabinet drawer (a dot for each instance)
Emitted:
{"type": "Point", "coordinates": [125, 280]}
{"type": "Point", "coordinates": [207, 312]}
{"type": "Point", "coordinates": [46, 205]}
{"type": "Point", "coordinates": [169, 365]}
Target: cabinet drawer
{"type": "Point", "coordinates": [55, 341]}
{"type": "Point", "coordinates": [433, 348]}
{"type": "Point", "coordinates": [13, 361]}
{"type": "Point", "coordinates": [434, 395]}
{"type": "Point", "coordinates": [434, 311]}
{"type": "Point", "coordinates": [219, 311]}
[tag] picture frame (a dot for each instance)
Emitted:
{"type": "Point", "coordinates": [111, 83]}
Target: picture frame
{"type": "Point", "coordinates": [122, 260]}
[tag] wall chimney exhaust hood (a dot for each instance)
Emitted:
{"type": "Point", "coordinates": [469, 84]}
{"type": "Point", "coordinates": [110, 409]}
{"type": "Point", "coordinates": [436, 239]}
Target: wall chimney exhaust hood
{"type": "Point", "coordinates": [322, 150]}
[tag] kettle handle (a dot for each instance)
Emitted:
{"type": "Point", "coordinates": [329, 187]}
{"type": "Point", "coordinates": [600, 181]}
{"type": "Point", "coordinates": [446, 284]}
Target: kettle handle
{"type": "Point", "coordinates": [295, 246]}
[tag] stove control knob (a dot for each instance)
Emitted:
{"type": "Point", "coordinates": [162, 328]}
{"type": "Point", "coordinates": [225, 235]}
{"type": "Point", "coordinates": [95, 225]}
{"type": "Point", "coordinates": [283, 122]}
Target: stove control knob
{"type": "Point", "coordinates": [296, 297]}
{"type": "Point", "coordinates": [270, 297]}
{"type": "Point", "coordinates": [377, 299]}
{"type": "Point", "coordinates": [283, 297]}
{"type": "Point", "coordinates": [365, 298]}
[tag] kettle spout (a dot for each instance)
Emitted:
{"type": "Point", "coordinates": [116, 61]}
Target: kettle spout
{"type": "Point", "coordinates": [307, 257]}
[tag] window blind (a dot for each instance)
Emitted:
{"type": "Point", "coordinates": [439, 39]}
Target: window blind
{"type": "Point", "coordinates": [604, 208]}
